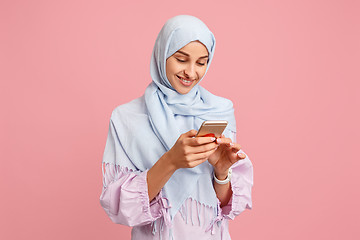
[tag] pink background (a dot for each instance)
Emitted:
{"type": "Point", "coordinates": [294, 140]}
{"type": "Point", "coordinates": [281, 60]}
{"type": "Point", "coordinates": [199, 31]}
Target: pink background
{"type": "Point", "coordinates": [290, 67]}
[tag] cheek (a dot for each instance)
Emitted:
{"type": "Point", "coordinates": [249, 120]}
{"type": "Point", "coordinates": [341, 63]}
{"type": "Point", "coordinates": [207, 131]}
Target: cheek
{"type": "Point", "coordinates": [171, 68]}
{"type": "Point", "coordinates": [168, 70]}
{"type": "Point", "coordinates": [202, 72]}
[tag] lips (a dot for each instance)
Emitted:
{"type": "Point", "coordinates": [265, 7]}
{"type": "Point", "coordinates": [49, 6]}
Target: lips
{"type": "Point", "coordinates": [184, 81]}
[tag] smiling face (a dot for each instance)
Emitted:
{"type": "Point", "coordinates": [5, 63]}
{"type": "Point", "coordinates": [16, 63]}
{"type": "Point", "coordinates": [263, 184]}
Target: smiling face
{"type": "Point", "coordinates": [187, 66]}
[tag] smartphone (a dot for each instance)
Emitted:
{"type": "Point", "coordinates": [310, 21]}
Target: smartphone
{"type": "Point", "coordinates": [212, 128]}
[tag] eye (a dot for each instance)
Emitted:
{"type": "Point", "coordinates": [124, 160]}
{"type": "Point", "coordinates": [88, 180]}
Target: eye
{"type": "Point", "coordinates": [201, 64]}
{"type": "Point", "coordinates": [180, 60]}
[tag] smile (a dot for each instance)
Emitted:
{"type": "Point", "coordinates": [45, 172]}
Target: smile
{"type": "Point", "coordinates": [185, 82]}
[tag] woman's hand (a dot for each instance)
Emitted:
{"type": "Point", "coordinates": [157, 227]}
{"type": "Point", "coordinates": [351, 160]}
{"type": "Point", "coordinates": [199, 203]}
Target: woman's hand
{"type": "Point", "coordinates": [225, 156]}
{"type": "Point", "coordinates": [188, 151]}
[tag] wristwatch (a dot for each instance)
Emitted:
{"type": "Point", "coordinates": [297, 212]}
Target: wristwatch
{"type": "Point", "coordinates": [225, 181]}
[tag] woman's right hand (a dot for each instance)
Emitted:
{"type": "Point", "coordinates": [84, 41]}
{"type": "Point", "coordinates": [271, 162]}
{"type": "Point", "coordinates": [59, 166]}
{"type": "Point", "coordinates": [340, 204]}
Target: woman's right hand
{"type": "Point", "coordinates": [188, 151]}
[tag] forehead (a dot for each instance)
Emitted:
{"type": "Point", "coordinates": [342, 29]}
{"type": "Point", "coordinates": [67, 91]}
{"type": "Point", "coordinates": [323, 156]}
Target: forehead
{"type": "Point", "coordinates": [195, 49]}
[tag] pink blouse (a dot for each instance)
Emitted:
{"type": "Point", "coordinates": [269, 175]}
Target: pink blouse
{"type": "Point", "coordinates": [125, 200]}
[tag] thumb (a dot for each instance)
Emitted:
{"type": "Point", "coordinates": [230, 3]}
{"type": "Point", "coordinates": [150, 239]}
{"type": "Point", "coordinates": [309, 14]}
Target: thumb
{"type": "Point", "coordinates": [191, 133]}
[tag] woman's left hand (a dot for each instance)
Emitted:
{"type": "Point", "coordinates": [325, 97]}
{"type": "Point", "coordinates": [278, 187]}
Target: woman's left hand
{"type": "Point", "coordinates": [225, 156]}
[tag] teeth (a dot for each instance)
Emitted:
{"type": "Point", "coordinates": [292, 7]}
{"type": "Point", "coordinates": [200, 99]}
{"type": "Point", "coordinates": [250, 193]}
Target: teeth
{"type": "Point", "coordinates": [186, 81]}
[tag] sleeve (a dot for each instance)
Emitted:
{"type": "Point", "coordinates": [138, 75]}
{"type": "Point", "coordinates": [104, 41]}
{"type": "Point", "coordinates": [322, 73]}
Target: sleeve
{"type": "Point", "coordinates": [125, 198]}
{"type": "Point", "coordinates": [241, 186]}
{"type": "Point", "coordinates": [124, 195]}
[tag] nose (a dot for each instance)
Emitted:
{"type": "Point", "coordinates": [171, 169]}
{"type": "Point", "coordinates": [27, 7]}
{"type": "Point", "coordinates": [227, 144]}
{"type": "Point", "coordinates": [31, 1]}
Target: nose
{"type": "Point", "coordinates": [190, 72]}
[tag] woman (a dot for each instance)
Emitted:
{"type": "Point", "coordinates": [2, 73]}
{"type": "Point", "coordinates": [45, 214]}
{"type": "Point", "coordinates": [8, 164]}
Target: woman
{"type": "Point", "coordinates": [160, 178]}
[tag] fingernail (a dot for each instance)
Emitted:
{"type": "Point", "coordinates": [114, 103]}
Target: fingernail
{"type": "Point", "coordinates": [213, 139]}
{"type": "Point", "coordinates": [231, 144]}
{"type": "Point", "coordinates": [218, 140]}
{"type": "Point", "coordinates": [241, 155]}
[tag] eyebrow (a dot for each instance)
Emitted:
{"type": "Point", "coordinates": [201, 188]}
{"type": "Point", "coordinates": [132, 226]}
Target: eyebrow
{"type": "Point", "coordinates": [188, 55]}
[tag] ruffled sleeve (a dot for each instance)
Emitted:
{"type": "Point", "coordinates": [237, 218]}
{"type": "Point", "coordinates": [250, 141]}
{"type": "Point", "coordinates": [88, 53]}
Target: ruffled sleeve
{"type": "Point", "coordinates": [241, 185]}
{"type": "Point", "coordinates": [125, 198]}
{"type": "Point", "coordinates": [124, 194]}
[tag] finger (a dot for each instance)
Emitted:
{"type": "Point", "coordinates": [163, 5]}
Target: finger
{"type": "Point", "coordinates": [241, 155]}
{"type": "Point", "coordinates": [234, 157]}
{"type": "Point", "coordinates": [201, 155]}
{"type": "Point", "coordinates": [196, 162]}
{"type": "Point", "coordinates": [191, 133]}
{"type": "Point", "coordinates": [235, 147]}
{"type": "Point", "coordinates": [200, 141]}
{"type": "Point", "coordinates": [223, 140]}
{"type": "Point", "coordinates": [237, 156]}
{"type": "Point", "coordinates": [204, 148]}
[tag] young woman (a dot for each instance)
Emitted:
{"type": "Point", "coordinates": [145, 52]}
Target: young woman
{"type": "Point", "coordinates": [158, 177]}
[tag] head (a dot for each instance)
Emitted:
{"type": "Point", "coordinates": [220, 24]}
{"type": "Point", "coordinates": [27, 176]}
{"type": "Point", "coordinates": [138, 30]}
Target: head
{"type": "Point", "coordinates": [187, 66]}
{"type": "Point", "coordinates": [182, 54]}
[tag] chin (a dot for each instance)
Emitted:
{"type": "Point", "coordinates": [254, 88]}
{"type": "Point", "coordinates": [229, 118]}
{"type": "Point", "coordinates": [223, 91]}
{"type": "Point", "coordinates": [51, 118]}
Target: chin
{"type": "Point", "coordinates": [179, 88]}
{"type": "Point", "coordinates": [183, 91]}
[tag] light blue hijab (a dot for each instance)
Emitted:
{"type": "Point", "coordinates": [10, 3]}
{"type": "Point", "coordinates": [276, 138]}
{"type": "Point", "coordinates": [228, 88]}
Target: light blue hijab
{"type": "Point", "coordinates": [147, 127]}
